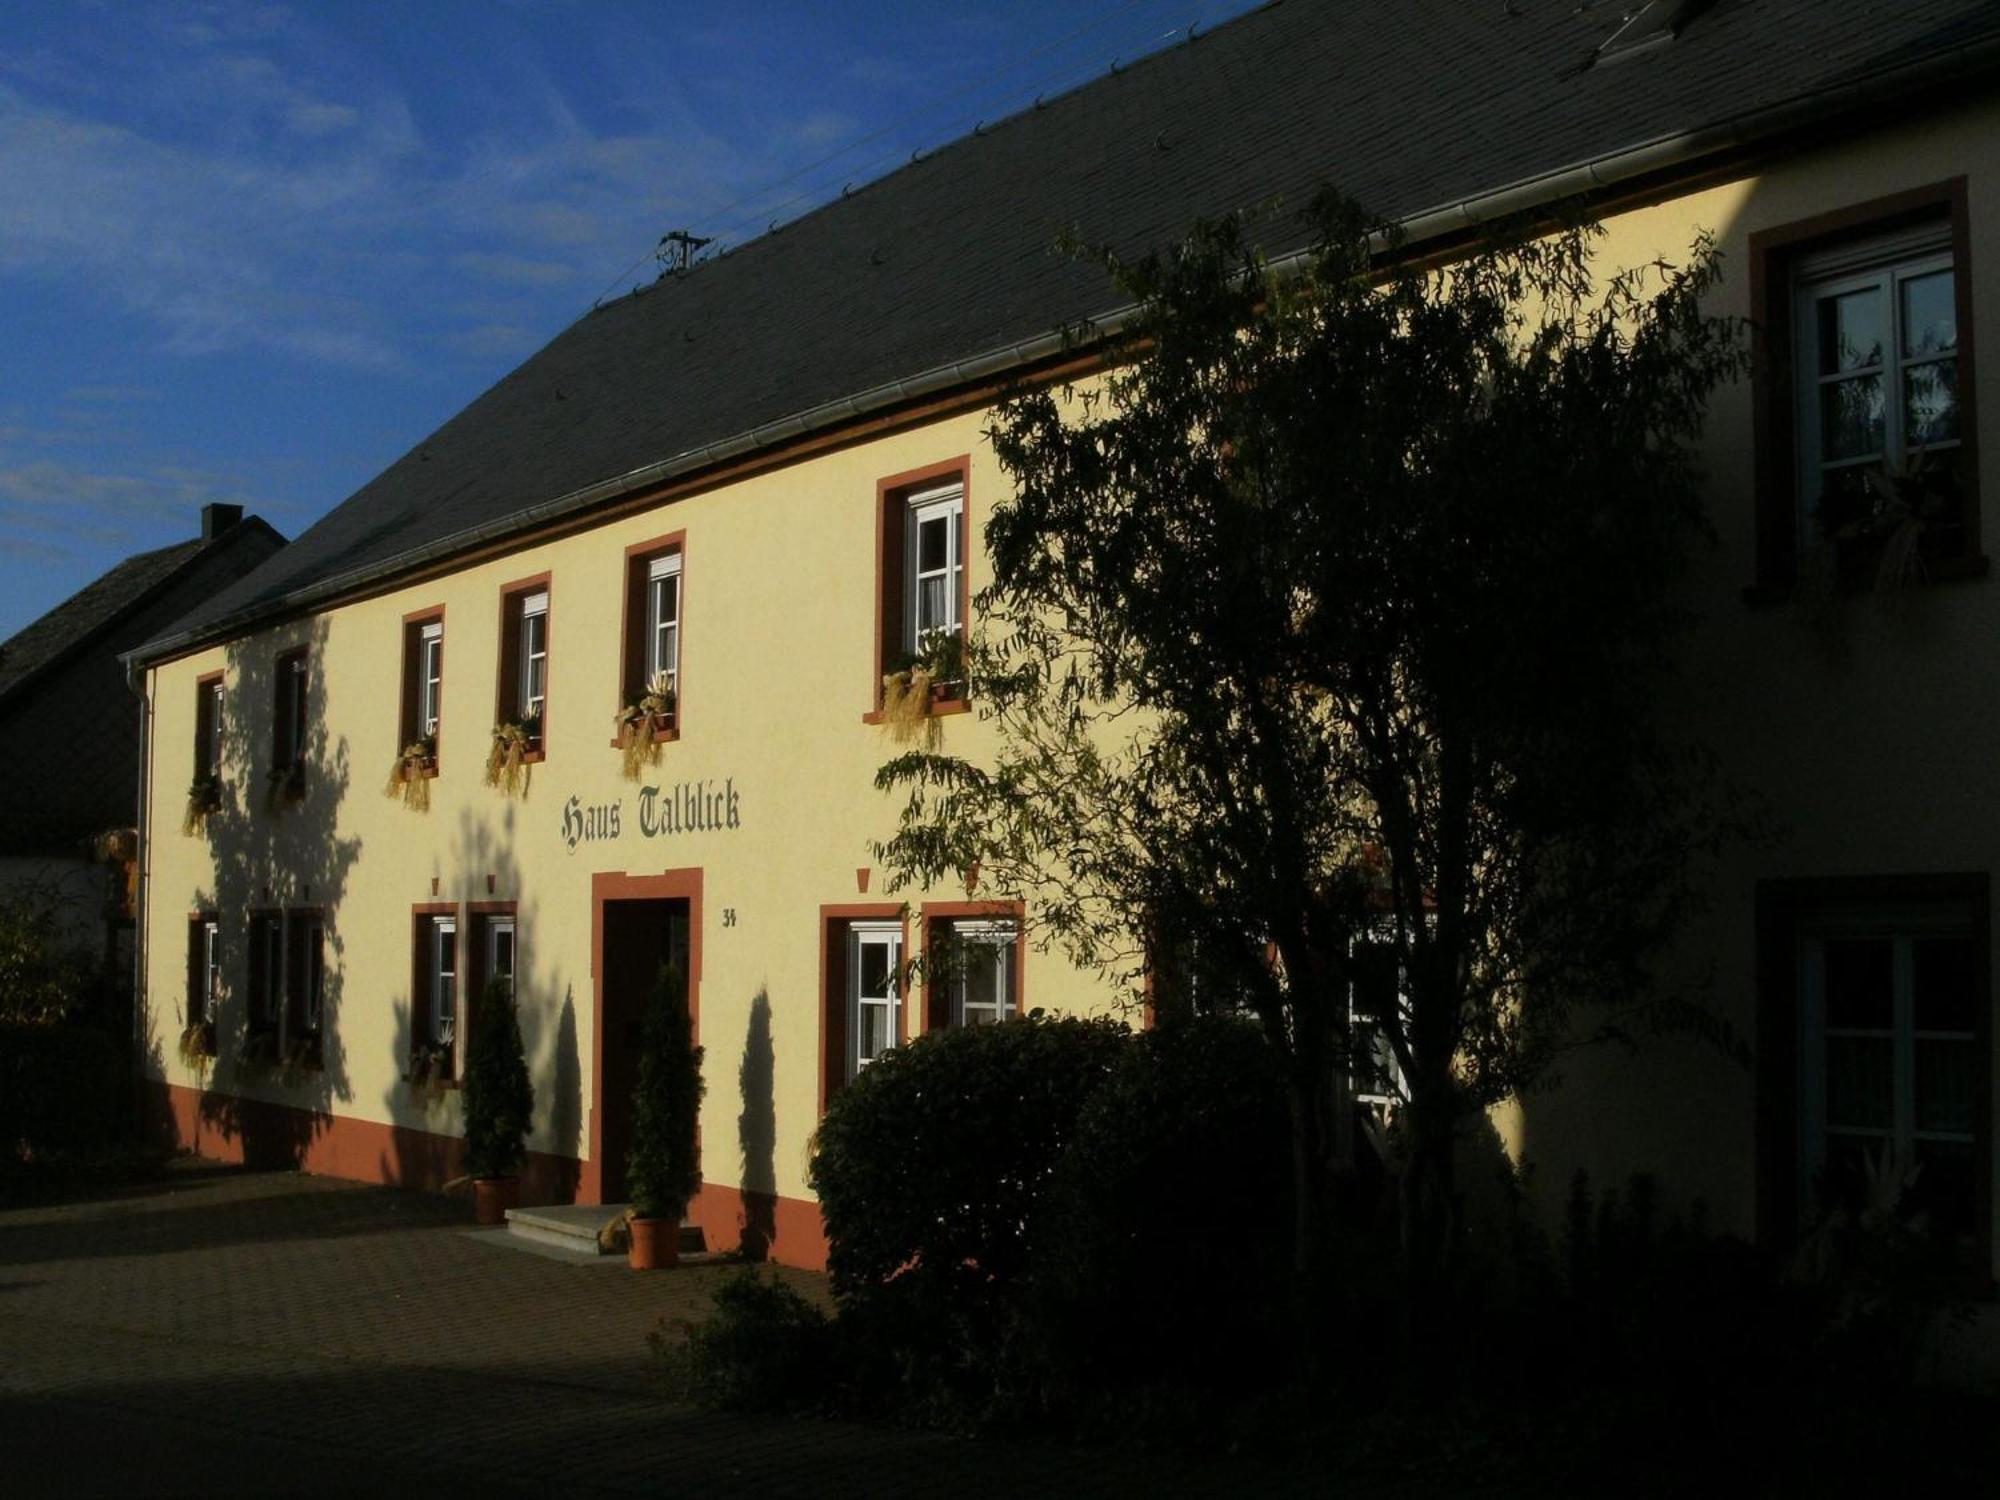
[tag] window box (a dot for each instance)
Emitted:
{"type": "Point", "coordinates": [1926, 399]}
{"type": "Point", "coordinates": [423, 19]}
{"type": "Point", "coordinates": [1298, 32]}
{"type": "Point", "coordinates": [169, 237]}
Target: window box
{"type": "Point", "coordinates": [516, 750]}
{"type": "Point", "coordinates": [644, 724]}
{"type": "Point", "coordinates": [411, 776]}
{"type": "Point", "coordinates": [197, 1044]}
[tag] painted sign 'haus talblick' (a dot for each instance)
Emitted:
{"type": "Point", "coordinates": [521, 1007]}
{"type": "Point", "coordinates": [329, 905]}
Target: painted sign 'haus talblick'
{"type": "Point", "coordinates": [698, 527]}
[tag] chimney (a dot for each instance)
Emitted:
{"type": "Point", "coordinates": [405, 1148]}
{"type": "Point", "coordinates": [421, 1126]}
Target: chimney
{"type": "Point", "coordinates": [216, 519]}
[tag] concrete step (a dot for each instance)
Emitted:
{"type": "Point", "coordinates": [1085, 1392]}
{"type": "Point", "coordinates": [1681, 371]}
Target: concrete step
{"type": "Point", "coordinates": [574, 1226]}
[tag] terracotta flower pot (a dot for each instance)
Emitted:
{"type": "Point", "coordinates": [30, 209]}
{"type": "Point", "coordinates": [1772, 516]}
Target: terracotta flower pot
{"type": "Point", "coordinates": [656, 1244]}
{"type": "Point", "coordinates": [493, 1196]}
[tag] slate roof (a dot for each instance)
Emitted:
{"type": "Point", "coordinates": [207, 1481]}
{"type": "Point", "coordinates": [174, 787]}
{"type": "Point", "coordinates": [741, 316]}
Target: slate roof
{"type": "Point", "coordinates": [90, 609]}
{"type": "Point", "coordinates": [1409, 108]}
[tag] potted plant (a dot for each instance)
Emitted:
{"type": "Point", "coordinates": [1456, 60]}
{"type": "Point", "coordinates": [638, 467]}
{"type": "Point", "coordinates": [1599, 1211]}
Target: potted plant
{"type": "Point", "coordinates": [204, 800]}
{"type": "Point", "coordinates": [935, 675]}
{"type": "Point", "coordinates": [641, 721]}
{"type": "Point", "coordinates": [499, 1103]}
{"type": "Point", "coordinates": [662, 1171]}
{"type": "Point", "coordinates": [197, 1044]}
{"type": "Point", "coordinates": [507, 763]}
{"type": "Point", "coordinates": [410, 777]}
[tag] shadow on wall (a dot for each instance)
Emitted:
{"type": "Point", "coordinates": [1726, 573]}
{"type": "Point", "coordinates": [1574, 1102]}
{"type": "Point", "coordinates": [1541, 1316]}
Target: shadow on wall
{"type": "Point", "coordinates": [278, 861]}
{"type": "Point", "coordinates": [483, 873]}
{"type": "Point", "coordinates": [757, 1132]}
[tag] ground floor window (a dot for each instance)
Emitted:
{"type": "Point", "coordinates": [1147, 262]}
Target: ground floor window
{"type": "Point", "coordinates": [204, 970]}
{"type": "Point", "coordinates": [874, 952]}
{"type": "Point", "coordinates": [1874, 1049]}
{"type": "Point", "coordinates": [305, 984]}
{"type": "Point", "coordinates": [972, 969]}
{"type": "Point", "coordinates": [434, 986]}
{"type": "Point", "coordinates": [267, 968]}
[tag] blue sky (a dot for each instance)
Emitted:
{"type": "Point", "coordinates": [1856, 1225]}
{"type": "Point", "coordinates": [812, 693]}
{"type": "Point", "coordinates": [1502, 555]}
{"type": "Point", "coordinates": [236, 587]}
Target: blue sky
{"type": "Point", "coordinates": [252, 253]}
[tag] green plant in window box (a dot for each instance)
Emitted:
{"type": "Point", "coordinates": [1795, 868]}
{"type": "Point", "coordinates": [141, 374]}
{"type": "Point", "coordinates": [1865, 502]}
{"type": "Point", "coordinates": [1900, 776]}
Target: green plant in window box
{"type": "Point", "coordinates": [286, 783]}
{"type": "Point", "coordinates": [936, 674]}
{"type": "Point", "coordinates": [507, 764]}
{"type": "Point", "coordinates": [430, 1068]}
{"type": "Point", "coordinates": [204, 800]}
{"type": "Point", "coordinates": [663, 1167]}
{"type": "Point", "coordinates": [197, 1044]}
{"type": "Point", "coordinates": [643, 717]}
{"type": "Point", "coordinates": [1882, 524]}
{"type": "Point", "coordinates": [410, 777]}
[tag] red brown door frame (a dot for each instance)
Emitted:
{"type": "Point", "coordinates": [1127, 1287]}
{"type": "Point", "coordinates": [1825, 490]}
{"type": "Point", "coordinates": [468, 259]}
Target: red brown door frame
{"type": "Point", "coordinates": [672, 885]}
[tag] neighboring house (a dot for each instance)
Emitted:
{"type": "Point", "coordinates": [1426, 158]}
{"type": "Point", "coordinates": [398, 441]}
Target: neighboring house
{"type": "Point", "coordinates": [70, 720]}
{"type": "Point", "coordinates": [754, 484]}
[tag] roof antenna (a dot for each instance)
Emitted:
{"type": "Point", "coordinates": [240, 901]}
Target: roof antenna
{"type": "Point", "coordinates": [677, 249]}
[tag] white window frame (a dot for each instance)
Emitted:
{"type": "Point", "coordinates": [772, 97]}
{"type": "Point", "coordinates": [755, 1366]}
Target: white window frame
{"type": "Point", "coordinates": [861, 935]}
{"type": "Point", "coordinates": [1884, 263]}
{"type": "Point", "coordinates": [270, 930]}
{"type": "Point", "coordinates": [534, 684]}
{"type": "Point", "coordinates": [312, 1005]}
{"type": "Point", "coordinates": [444, 983]}
{"type": "Point", "coordinates": [947, 502]}
{"type": "Point", "coordinates": [663, 626]}
{"type": "Point", "coordinates": [291, 750]}
{"type": "Point", "coordinates": [211, 750]}
{"type": "Point", "coordinates": [430, 678]}
{"type": "Point", "coordinates": [211, 971]}
{"type": "Point", "coordinates": [1001, 937]}
{"type": "Point", "coordinates": [1902, 925]}
{"type": "Point", "coordinates": [1387, 1063]}
{"type": "Point", "coordinates": [495, 926]}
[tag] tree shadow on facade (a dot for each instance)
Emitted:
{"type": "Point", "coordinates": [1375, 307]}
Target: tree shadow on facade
{"type": "Point", "coordinates": [280, 870]}
{"type": "Point", "coordinates": [757, 1131]}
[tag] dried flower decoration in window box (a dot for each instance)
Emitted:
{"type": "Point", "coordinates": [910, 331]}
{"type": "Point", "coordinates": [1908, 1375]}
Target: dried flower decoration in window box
{"type": "Point", "coordinates": [640, 723]}
{"type": "Point", "coordinates": [410, 777]}
{"type": "Point", "coordinates": [204, 800]}
{"type": "Point", "coordinates": [507, 763]}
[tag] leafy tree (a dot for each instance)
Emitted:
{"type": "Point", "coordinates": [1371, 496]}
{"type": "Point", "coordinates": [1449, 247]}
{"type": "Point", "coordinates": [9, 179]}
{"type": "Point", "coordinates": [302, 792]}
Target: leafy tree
{"type": "Point", "coordinates": [41, 978]}
{"type": "Point", "coordinates": [663, 1169]}
{"type": "Point", "coordinates": [1333, 622]}
{"type": "Point", "coordinates": [499, 1098]}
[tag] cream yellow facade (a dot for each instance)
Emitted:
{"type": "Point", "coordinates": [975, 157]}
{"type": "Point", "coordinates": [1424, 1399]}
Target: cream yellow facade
{"type": "Point", "coordinates": [1868, 726]}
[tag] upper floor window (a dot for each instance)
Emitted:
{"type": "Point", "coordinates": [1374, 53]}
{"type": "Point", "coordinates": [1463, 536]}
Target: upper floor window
{"type": "Point", "coordinates": [208, 728]}
{"type": "Point", "coordinates": [934, 543]}
{"type": "Point", "coordinates": [655, 605]}
{"type": "Point", "coordinates": [524, 660]}
{"type": "Point", "coordinates": [1864, 382]}
{"type": "Point", "coordinates": [423, 689]}
{"type": "Point", "coordinates": [288, 728]}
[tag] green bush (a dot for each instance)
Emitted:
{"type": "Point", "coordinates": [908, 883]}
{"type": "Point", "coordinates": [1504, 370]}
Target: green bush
{"type": "Point", "coordinates": [41, 980]}
{"type": "Point", "coordinates": [499, 1098]}
{"type": "Point", "coordinates": [763, 1348]}
{"type": "Point", "coordinates": [62, 1088]}
{"type": "Point", "coordinates": [929, 1164]}
{"type": "Point", "coordinates": [1173, 1193]}
{"type": "Point", "coordinates": [663, 1168]}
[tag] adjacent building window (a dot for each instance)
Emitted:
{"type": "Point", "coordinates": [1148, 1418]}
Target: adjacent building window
{"type": "Point", "coordinates": [524, 660]}
{"type": "Point", "coordinates": [655, 604]}
{"type": "Point", "coordinates": [288, 728]}
{"type": "Point", "coordinates": [874, 954]}
{"type": "Point", "coordinates": [1375, 1000]}
{"type": "Point", "coordinates": [1865, 473]}
{"type": "Point", "coordinates": [204, 970]}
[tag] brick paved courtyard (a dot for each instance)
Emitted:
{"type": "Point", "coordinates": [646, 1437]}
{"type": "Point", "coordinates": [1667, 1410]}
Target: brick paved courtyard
{"type": "Point", "coordinates": [219, 1331]}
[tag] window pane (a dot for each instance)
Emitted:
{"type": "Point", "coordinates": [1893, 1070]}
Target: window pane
{"type": "Point", "coordinates": [1850, 331]}
{"type": "Point", "coordinates": [1859, 991]}
{"type": "Point", "coordinates": [1946, 984]}
{"type": "Point", "coordinates": [982, 982]}
{"type": "Point", "coordinates": [874, 1029]}
{"type": "Point", "coordinates": [1930, 315]}
{"type": "Point", "coordinates": [1859, 1085]}
{"type": "Point", "coordinates": [933, 544]}
{"type": "Point", "coordinates": [1947, 1077]}
{"type": "Point", "coordinates": [1930, 403]}
{"type": "Point", "coordinates": [1850, 421]}
{"type": "Point", "coordinates": [503, 953]}
{"type": "Point", "coordinates": [876, 963]}
{"type": "Point", "coordinates": [933, 605]}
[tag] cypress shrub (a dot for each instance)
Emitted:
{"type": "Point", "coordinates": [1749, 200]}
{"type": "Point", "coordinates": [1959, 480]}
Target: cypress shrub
{"type": "Point", "coordinates": [499, 1098]}
{"type": "Point", "coordinates": [663, 1170]}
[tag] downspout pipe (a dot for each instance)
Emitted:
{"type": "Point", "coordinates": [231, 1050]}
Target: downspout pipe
{"type": "Point", "coordinates": [142, 853]}
{"type": "Point", "coordinates": [1680, 150]}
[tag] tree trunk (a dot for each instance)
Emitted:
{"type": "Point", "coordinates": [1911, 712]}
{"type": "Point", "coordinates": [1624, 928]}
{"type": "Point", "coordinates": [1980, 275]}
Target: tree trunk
{"type": "Point", "coordinates": [1428, 1214]}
